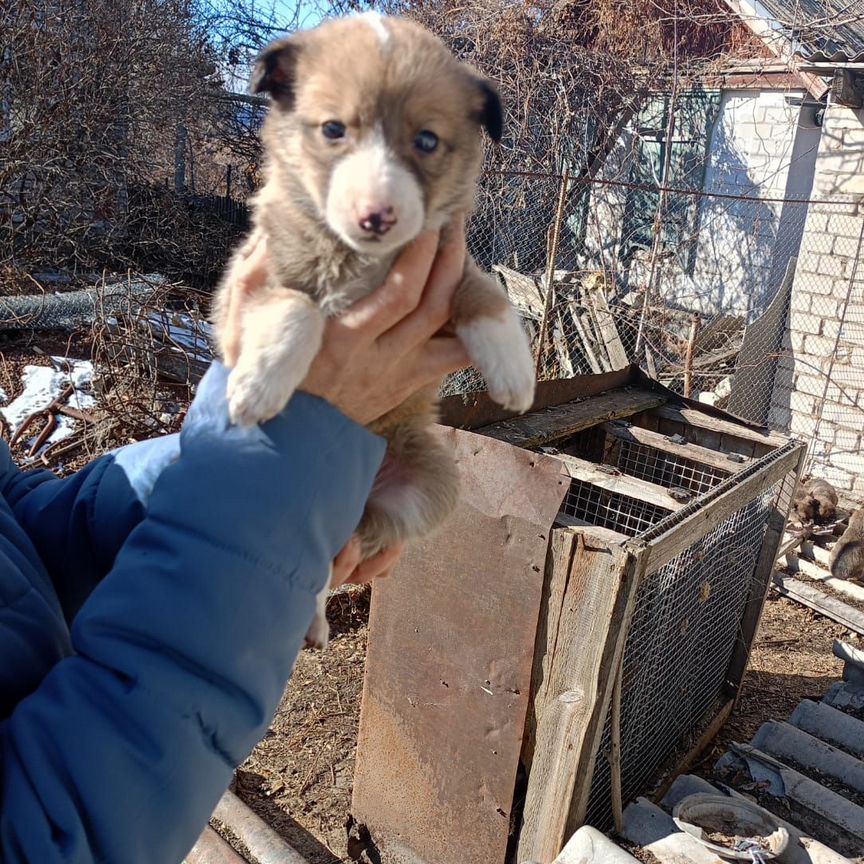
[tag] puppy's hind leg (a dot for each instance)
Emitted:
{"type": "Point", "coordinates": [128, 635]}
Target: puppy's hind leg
{"type": "Point", "coordinates": [318, 634]}
{"type": "Point", "coordinates": [416, 489]}
{"type": "Point", "coordinates": [281, 335]}
{"type": "Point", "coordinates": [494, 338]}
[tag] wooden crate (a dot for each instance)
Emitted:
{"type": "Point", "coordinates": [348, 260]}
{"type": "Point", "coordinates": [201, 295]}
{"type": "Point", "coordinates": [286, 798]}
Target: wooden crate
{"type": "Point", "coordinates": [583, 618]}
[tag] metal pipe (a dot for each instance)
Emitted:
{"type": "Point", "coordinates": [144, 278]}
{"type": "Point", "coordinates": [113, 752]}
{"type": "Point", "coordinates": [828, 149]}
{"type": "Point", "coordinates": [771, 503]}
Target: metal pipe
{"type": "Point", "coordinates": [263, 843]}
{"type": "Point", "coordinates": [212, 849]}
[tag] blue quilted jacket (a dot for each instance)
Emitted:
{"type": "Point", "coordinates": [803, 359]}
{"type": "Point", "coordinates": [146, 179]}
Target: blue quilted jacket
{"type": "Point", "coordinates": [151, 610]}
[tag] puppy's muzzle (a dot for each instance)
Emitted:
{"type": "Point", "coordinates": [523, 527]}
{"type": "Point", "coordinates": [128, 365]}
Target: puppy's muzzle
{"type": "Point", "coordinates": [378, 221]}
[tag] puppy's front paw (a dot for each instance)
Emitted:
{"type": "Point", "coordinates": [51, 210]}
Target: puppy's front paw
{"type": "Point", "coordinates": [318, 635]}
{"type": "Point", "coordinates": [501, 352]}
{"type": "Point", "coordinates": [255, 397]}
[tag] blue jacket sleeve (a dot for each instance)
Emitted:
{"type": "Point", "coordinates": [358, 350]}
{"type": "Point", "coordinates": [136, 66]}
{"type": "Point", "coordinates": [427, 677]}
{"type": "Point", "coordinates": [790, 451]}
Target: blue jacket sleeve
{"type": "Point", "coordinates": [183, 649]}
{"type": "Point", "coordinates": [77, 524]}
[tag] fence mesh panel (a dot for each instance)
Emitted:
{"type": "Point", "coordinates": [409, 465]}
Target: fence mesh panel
{"type": "Point", "coordinates": [679, 645]}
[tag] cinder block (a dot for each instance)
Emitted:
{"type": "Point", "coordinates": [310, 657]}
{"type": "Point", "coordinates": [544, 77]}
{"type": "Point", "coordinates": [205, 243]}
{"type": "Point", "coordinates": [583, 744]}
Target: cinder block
{"type": "Point", "coordinates": [832, 265]}
{"type": "Point", "coordinates": [811, 385]}
{"type": "Point", "coordinates": [842, 225]}
{"type": "Point", "coordinates": [818, 346]}
{"type": "Point", "coordinates": [805, 323]}
{"type": "Point", "coordinates": [846, 440]}
{"type": "Point", "coordinates": [838, 478]}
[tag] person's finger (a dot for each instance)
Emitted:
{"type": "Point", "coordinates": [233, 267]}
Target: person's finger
{"type": "Point", "coordinates": [253, 272]}
{"type": "Point", "coordinates": [435, 308]}
{"type": "Point", "coordinates": [438, 357]}
{"type": "Point", "coordinates": [378, 566]}
{"type": "Point", "coordinates": [345, 563]}
{"type": "Point", "coordinates": [401, 292]}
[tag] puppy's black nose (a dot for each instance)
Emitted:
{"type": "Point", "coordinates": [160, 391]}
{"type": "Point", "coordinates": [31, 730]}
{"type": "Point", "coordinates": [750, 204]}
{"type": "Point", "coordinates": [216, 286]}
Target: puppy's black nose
{"type": "Point", "coordinates": [378, 221]}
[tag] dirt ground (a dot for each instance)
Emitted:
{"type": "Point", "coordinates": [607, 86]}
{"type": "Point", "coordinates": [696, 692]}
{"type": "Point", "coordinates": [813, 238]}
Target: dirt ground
{"type": "Point", "coordinates": [791, 660]}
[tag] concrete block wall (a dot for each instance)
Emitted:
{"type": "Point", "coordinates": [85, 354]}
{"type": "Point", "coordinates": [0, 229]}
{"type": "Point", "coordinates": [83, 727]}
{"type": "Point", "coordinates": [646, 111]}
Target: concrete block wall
{"type": "Point", "coordinates": [819, 390]}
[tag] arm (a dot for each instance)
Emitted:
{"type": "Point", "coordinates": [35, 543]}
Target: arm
{"type": "Point", "coordinates": [183, 650]}
{"type": "Point", "coordinates": [77, 524]}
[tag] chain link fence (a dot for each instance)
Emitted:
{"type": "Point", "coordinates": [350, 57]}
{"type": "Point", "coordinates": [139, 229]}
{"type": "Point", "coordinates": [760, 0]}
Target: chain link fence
{"type": "Point", "coordinates": [752, 304]}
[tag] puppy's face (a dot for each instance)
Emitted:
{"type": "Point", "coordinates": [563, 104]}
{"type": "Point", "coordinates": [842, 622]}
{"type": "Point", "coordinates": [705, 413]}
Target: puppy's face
{"type": "Point", "coordinates": [379, 125]}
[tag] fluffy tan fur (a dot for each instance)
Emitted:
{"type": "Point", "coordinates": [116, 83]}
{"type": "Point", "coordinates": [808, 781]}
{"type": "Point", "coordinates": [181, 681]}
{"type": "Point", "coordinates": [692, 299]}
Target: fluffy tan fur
{"type": "Point", "coordinates": [816, 501]}
{"type": "Point", "coordinates": [385, 81]}
{"type": "Point", "coordinates": [847, 556]}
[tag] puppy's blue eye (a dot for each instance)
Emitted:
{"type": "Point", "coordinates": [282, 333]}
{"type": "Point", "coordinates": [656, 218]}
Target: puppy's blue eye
{"type": "Point", "coordinates": [426, 141]}
{"type": "Point", "coordinates": [333, 130]}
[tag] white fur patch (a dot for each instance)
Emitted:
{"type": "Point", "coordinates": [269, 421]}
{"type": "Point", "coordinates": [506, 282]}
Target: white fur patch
{"type": "Point", "coordinates": [280, 340]}
{"type": "Point", "coordinates": [373, 179]}
{"type": "Point", "coordinates": [376, 21]}
{"type": "Point", "coordinates": [318, 634]}
{"type": "Point", "coordinates": [500, 350]}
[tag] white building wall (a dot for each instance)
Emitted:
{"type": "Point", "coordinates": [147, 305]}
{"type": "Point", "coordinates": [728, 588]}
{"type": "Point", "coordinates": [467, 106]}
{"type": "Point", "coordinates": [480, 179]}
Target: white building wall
{"type": "Point", "coordinates": [763, 146]}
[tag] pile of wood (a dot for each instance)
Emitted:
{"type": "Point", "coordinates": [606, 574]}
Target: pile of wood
{"type": "Point", "coordinates": [572, 311]}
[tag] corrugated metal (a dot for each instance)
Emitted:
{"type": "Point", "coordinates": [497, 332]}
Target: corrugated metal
{"type": "Point", "coordinates": [807, 771]}
{"type": "Point", "coordinates": [827, 30]}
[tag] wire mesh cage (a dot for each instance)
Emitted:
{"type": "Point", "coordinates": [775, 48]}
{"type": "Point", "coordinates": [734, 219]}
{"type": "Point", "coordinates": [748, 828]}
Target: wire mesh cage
{"type": "Point", "coordinates": [629, 643]}
{"type": "Point", "coordinates": [683, 633]}
{"type": "Point", "coordinates": [595, 506]}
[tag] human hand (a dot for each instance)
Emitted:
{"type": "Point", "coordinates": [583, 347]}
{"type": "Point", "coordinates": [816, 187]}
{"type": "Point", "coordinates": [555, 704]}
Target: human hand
{"type": "Point", "coordinates": [385, 348]}
{"type": "Point", "coordinates": [348, 569]}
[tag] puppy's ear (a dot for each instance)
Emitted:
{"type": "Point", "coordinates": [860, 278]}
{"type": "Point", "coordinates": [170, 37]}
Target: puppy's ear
{"type": "Point", "coordinates": [274, 70]}
{"type": "Point", "coordinates": [491, 113]}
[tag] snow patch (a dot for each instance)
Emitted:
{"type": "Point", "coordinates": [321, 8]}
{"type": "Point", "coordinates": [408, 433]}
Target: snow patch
{"type": "Point", "coordinates": [42, 385]}
{"type": "Point", "coordinates": [190, 335]}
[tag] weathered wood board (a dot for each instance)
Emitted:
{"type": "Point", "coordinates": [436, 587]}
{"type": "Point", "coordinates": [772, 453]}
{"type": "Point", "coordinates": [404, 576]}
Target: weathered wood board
{"type": "Point", "coordinates": [449, 662]}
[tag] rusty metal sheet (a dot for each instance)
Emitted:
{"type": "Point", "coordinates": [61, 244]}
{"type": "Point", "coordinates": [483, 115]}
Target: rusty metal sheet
{"type": "Point", "coordinates": [448, 669]}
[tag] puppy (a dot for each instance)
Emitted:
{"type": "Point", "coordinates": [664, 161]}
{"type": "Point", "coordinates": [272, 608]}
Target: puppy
{"type": "Point", "coordinates": [816, 501]}
{"type": "Point", "coordinates": [374, 135]}
{"type": "Point", "coordinates": [847, 556]}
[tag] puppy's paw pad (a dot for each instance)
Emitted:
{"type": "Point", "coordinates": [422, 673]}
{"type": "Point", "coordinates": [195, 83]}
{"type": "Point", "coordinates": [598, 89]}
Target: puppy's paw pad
{"type": "Point", "coordinates": [318, 635]}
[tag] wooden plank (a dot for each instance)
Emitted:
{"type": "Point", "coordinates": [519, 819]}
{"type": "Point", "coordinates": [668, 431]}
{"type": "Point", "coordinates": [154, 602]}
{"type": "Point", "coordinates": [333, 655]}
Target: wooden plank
{"type": "Point", "coordinates": [584, 341]}
{"type": "Point", "coordinates": [559, 560]}
{"type": "Point", "coordinates": [562, 421]}
{"type": "Point", "coordinates": [620, 484]}
{"type": "Point", "coordinates": [523, 291]}
{"type": "Point", "coordinates": [586, 649]}
{"type": "Point", "coordinates": [818, 574]}
{"type": "Point", "coordinates": [820, 602]}
{"type": "Point", "coordinates": [581, 526]}
{"type": "Point", "coordinates": [683, 535]}
{"type": "Point", "coordinates": [476, 410]}
{"type": "Point", "coordinates": [760, 585]}
{"type": "Point", "coordinates": [693, 452]}
{"type": "Point", "coordinates": [449, 663]}
{"type": "Point", "coordinates": [611, 340]}
{"type": "Point", "coordinates": [691, 417]}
